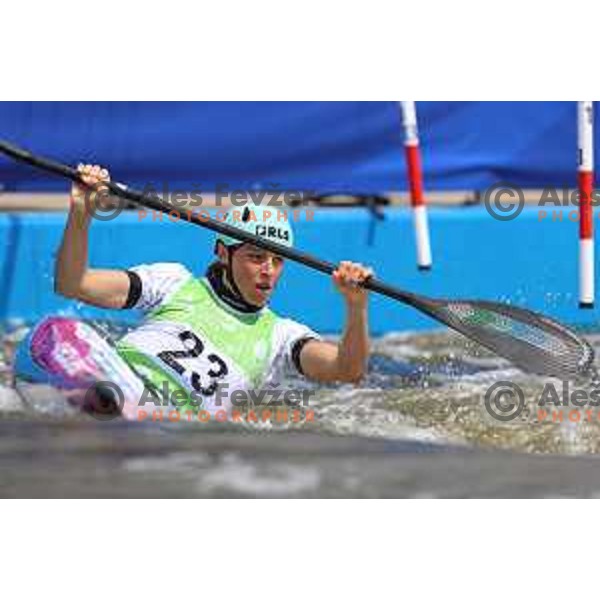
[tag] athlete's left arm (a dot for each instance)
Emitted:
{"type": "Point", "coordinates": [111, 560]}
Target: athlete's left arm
{"type": "Point", "coordinates": [347, 360]}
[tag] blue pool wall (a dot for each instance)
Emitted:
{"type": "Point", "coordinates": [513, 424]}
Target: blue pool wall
{"type": "Point", "coordinates": [527, 262]}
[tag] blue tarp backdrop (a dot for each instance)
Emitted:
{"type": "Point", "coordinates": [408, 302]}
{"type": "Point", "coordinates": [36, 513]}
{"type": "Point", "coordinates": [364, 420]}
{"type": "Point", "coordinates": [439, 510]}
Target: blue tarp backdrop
{"type": "Point", "coordinates": [327, 146]}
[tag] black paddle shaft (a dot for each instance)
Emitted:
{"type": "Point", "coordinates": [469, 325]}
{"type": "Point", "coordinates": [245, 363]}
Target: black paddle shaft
{"type": "Point", "coordinates": [528, 339]}
{"type": "Point", "coordinates": [154, 203]}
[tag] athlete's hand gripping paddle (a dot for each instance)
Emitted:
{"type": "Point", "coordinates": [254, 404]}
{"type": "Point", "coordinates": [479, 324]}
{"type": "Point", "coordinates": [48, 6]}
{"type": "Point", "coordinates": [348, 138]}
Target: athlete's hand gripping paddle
{"type": "Point", "coordinates": [528, 339]}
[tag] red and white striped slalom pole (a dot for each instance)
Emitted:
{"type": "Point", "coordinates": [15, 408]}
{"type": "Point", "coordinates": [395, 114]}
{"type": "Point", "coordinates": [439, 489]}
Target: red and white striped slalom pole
{"type": "Point", "coordinates": [415, 180]}
{"type": "Point", "coordinates": [585, 126]}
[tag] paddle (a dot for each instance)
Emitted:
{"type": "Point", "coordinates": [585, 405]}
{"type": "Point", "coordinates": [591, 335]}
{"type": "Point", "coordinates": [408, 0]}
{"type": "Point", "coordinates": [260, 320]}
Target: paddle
{"type": "Point", "coordinates": [529, 340]}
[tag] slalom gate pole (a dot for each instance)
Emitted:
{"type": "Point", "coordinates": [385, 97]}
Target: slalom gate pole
{"type": "Point", "coordinates": [585, 128]}
{"type": "Point", "coordinates": [415, 180]}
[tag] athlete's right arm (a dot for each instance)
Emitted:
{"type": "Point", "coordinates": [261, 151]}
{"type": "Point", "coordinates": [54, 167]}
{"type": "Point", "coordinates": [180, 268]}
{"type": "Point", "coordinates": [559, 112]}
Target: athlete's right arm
{"type": "Point", "coordinates": [73, 276]}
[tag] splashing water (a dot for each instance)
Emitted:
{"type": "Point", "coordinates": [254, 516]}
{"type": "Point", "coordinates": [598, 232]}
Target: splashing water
{"type": "Point", "coordinates": [424, 395]}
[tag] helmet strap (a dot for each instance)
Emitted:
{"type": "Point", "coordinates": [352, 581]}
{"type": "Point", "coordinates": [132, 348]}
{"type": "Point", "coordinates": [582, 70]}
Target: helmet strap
{"type": "Point", "coordinates": [226, 287]}
{"type": "Point", "coordinates": [229, 272]}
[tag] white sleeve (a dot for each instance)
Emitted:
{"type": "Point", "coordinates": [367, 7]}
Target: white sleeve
{"type": "Point", "coordinates": [158, 281]}
{"type": "Point", "coordinates": [288, 335]}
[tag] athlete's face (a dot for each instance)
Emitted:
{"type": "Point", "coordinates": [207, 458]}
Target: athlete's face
{"type": "Point", "coordinates": [256, 272]}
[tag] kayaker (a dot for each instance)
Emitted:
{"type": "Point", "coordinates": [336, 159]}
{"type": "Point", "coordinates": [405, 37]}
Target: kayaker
{"type": "Point", "coordinates": [197, 334]}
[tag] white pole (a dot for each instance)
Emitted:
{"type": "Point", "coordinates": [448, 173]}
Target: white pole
{"type": "Point", "coordinates": [415, 180]}
{"type": "Point", "coordinates": [585, 123]}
